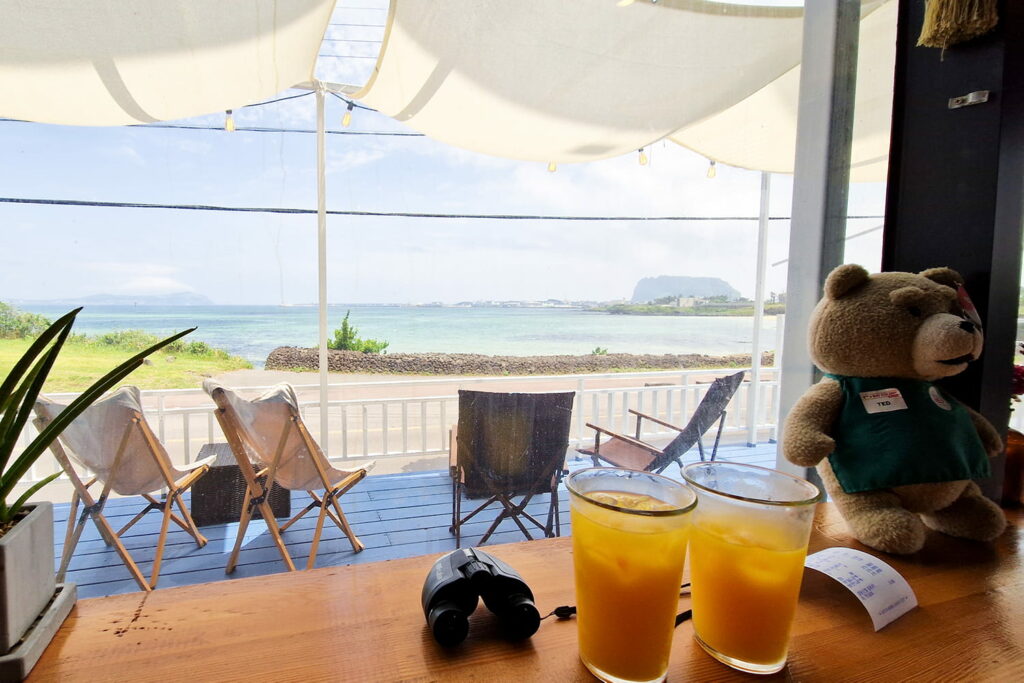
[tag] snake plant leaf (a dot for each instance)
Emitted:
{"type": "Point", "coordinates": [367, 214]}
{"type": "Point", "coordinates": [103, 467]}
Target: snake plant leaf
{"type": "Point", "coordinates": [7, 513]}
{"type": "Point", "coordinates": [18, 400]}
{"type": "Point", "coordinates": [87, 397]}
{"type": "Point", "coordinates": [18, 412]}
{"type": "Point", "coordinates": [36, 348]}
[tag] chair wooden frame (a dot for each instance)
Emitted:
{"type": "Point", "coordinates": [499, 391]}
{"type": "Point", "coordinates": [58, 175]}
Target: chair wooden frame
{"type": "Point", "coordinates": [92, 508]}
{"type": "Point", "coordinates": [660, 460]}
{"type": "Point", "coordinates": [259, 482]}
{"type": "Point", "coordinates": [630, 451]}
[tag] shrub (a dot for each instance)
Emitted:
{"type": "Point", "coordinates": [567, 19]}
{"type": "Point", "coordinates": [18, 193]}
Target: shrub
{"type": "Point", "coordinates": [135, 340]}
{"type": "Point", "coordinates": [372, 346]}
{"type": "Point", "coordinates": [15, 324]}
{"type": "Point", "coordinates": [346, 338]}
{"type": "Point", "coordinates": [128, 340]}
{"type": "Point", "coordinates": [199, 348]}
{"type": "Point", "coordinates": [599, 351]}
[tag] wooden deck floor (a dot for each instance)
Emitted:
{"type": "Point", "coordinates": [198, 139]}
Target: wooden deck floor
{"type": "Point", "coordinates": [395, 515]}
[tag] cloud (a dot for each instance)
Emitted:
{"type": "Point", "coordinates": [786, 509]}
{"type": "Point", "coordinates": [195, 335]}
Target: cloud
{"type": "Point", "coordinates": [349, 158]}
{"type": "Point", "coordinates": [190, 146]}
{"type": "Point", "coordinates": [118, 277]}
{"type": "Point", "coordinates": [131, 268]}
{"type": "Point", "coordinates": [152, 285]}
{"type": "Point", "coordinates": [122, 153]}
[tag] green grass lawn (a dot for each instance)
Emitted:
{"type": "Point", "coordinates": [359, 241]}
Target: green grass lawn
{"type": "Point", "coordinates": [79, 365]}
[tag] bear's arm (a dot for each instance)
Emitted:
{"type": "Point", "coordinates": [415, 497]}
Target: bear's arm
{"type": "Point", "coordinates": [806, 439]}
{"type": "Point", "coordinates": [989, 436]}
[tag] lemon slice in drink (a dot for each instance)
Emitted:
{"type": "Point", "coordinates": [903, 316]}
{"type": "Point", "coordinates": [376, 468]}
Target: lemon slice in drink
{"type": "Point", "coordinates": [629, 501]}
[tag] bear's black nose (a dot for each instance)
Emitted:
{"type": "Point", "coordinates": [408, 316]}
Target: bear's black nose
{"type": "Point", "coordinates": [967, 326]}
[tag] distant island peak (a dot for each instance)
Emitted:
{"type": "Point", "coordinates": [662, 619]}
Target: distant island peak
{"type": "Point", "coordinates": [173, 299]}
{"type": "Point", "coordinates": [651, 288]}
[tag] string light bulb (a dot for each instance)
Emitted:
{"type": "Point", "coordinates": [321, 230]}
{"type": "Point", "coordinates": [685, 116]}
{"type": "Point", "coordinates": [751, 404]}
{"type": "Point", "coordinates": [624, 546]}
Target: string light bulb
{"type": "Point", "coordinates": [347, 118]}
{"type": "Point", "coordinates": [552, 167]}
{"type": "Point", "coordinates": [229, 121]}
{"type": "Point", "coordinates": [642, 157]}
{"type": "Point", "coordinates": [712, 170]}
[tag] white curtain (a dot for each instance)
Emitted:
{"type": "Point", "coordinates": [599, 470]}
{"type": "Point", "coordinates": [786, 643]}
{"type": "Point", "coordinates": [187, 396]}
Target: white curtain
{"type": "Point", "coordinates": [548, 80]}
{"type": "Point", "coordinates": [118, 62]}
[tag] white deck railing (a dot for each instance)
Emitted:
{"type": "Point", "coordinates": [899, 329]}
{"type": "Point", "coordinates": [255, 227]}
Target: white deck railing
{"type": "Point", "coordinates": [412, 417]}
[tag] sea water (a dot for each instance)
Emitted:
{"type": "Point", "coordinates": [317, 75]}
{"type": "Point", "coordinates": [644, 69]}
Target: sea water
{"type": "Point", "coordinates": [254, 331]}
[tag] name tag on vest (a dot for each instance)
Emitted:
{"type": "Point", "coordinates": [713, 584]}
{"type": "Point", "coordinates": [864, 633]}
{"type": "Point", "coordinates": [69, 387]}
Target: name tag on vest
{"type": "Point", "coordinates": [883, 401]}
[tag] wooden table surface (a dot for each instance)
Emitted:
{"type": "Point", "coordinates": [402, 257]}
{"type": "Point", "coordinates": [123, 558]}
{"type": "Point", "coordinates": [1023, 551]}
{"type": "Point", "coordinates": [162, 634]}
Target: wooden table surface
{"type": "Point", "coordinates": [364, 623]}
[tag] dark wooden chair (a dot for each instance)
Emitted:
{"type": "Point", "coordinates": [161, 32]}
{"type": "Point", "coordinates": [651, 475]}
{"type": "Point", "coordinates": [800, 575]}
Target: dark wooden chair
{"type": "Point", "coordinates": [632, 452]}
{"type": "Point", "coordinates": [509, 445]}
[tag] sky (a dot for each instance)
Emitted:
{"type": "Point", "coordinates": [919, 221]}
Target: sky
{"type": "Point", "coordinates": [51, 252]}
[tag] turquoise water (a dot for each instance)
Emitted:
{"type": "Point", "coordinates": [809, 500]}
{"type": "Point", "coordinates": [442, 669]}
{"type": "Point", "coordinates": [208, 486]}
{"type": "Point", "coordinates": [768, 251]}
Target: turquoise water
{"type": "Point", "coordinates": [254, 331]}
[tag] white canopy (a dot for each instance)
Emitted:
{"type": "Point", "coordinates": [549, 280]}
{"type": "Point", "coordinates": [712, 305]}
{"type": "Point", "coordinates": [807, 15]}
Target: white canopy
{"type": "Point", "coordinates": [533, 79]}
{"type": "Point", "coordinates": [117, 62]}
{"type": "Point", "coordinates": [760, 131]}
{"type": "Point", "coordinates": [584, 80]}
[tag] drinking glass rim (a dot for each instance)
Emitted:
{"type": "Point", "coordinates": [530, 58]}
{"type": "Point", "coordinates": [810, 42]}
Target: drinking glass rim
{"type": "Point", "coordinates": [747, 499]}
{"type": "Point", "coordinates": [632, 511]}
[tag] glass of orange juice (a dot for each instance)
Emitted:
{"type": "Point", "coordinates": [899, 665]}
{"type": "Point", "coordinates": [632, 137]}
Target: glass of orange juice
{"type": "Point", "coordinates": [747, 549]}
{"type": "Point", "coordinates": [629, 535]}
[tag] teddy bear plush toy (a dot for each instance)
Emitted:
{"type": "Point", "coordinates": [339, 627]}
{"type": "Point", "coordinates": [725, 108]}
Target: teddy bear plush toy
{"type": "Point", "coordinates": [896, 453]}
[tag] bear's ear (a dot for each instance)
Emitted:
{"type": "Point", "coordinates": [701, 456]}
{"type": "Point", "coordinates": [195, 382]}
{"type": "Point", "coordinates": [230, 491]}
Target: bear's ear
{"type": "Point", "coordinates": [909, 296]}
{"type": "Point", "coordinates": [944, 276]}
{"type": "Point", "coordinates": [843, 279]}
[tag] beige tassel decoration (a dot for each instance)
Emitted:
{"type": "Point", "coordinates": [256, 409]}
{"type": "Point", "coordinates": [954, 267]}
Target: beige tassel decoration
{"type": "Point", "coordinates": [949, 22]}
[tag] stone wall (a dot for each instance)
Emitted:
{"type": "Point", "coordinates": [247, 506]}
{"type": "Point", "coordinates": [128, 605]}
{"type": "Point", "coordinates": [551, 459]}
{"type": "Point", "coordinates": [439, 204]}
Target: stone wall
{"type": "Point", "coordinates": [293, 358]}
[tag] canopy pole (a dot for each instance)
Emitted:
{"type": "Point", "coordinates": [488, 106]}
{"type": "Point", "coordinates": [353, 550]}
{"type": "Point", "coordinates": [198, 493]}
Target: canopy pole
{"type": "Point", "coordinates": [754, 398]}
{"type": "Point", "coordinates": [828, 76]}
{"type": "Point", "coordinates": [321, 252]}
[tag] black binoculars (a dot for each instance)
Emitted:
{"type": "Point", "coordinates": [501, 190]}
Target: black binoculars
{"type": "Point", "coordinates": [458, 580]}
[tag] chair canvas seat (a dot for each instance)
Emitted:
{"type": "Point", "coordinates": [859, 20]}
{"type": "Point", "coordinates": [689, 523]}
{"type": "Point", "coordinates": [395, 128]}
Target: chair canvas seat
{"type": "Point", "coordinates": [261, 422]}
{"type": "Point", "coordinates": [633, 453]}
{"type": "Point", "coordinates": [112, 439]}
{"type": "Point", "coordinates": [272, 445]}
{"type": "Point", "coordinates": [508, 445]}
{"type": "Point", "coordinates": [624, 454]}
{"type": "Point", "coordinates": [92, 443]}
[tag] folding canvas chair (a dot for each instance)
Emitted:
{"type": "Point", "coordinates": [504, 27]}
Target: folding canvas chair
{"type": "Point", "coordinates": [631, 452]}
{"type": "Point", "coordinates": [510, 445]}
{"type": "Point", "coordinates": [272, 445]}
{"type": "Point", "coordinates": [112, 440]}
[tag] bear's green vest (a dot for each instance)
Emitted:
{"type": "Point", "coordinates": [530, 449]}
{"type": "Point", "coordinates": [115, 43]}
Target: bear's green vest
{"type": "Point", "coordinates": [931, 440]}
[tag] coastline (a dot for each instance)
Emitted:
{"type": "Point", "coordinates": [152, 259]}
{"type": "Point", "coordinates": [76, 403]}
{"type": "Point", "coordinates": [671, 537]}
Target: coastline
{"type": "Point", "coordinates": [297, 359]}
{"type": "Point", "coordinates": [253, 332]}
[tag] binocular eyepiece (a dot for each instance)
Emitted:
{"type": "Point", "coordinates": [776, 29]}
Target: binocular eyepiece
{"type": "Point", "coordinates": [458, 580]}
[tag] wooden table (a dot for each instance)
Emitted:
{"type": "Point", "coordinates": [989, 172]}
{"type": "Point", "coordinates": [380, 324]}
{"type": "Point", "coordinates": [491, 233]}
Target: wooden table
{"type": "Point", "coordinates": [364, 622]}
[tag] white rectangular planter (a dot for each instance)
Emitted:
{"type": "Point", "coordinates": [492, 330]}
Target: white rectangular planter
{"type": "Point", "coordinates": [27, 578]}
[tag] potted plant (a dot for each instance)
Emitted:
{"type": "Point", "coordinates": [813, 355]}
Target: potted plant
{"type": "Point", "coordinates": [32, 606]}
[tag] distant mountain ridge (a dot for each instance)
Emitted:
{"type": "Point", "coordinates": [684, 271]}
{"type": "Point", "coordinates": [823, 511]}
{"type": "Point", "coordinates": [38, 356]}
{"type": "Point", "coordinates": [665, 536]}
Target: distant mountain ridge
{"type": "Point", "coordinates": [651, 288]}
{"type": "Point", "coordinates": [174, 299]}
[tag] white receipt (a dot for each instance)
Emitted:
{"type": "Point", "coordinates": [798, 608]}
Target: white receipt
{"type": "Point", "coordinates": [881, 589]}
